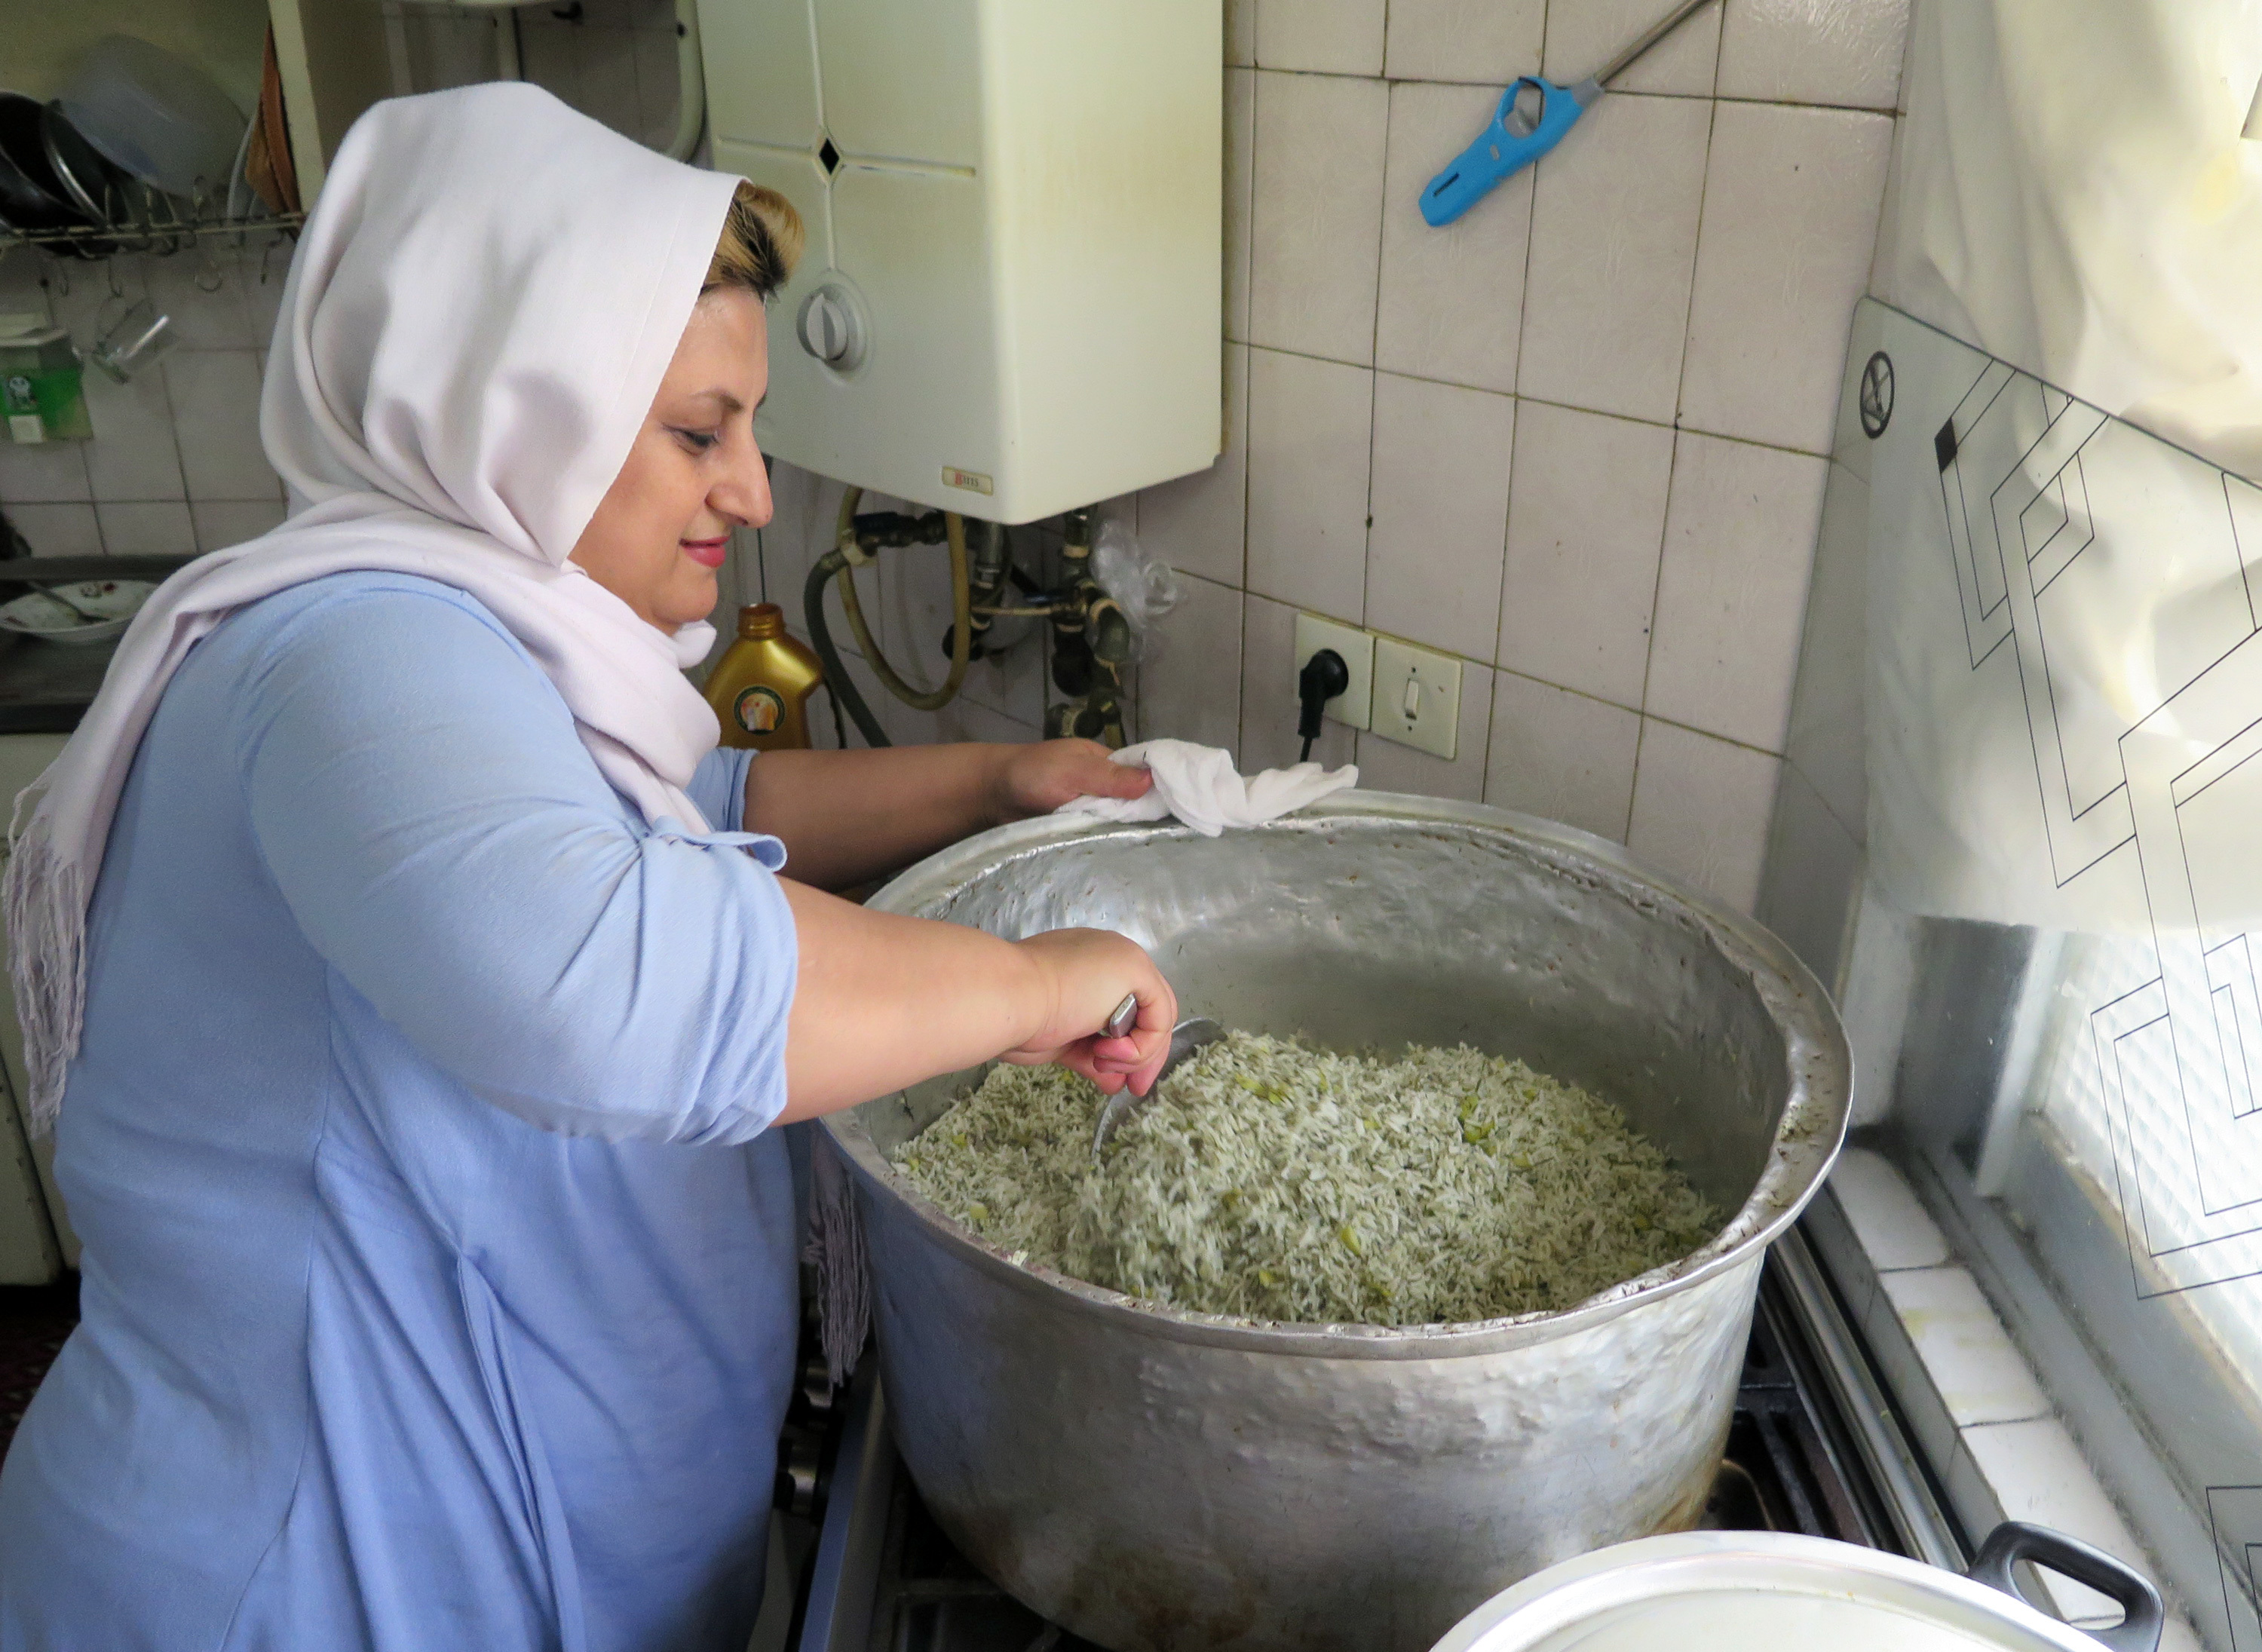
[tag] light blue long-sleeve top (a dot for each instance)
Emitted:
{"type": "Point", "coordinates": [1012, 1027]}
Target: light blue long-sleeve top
{"type": "Point", "coordinates": [439, 1286]}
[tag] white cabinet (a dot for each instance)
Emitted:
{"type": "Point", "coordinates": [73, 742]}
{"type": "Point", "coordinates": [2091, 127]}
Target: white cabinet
{"type": "Point", "coordinates": [34, 1245]}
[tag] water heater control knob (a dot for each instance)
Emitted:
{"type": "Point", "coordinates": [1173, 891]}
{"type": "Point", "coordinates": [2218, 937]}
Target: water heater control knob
{"type": "Point", "coordinates": [833, 326]}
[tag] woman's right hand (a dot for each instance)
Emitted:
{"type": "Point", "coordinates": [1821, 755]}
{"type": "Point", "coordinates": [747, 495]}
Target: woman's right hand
{"type": "Point", "coordinates": [1089, 972]}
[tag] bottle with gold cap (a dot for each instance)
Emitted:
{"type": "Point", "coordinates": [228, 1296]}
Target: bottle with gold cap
{"type": "Point", "coordinates": [761, 687]}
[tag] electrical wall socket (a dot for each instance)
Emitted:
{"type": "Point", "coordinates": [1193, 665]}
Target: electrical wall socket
{"type": "Point", "coordinates": [1353, 705]}
{"type": "Point", "coordinates": [1417, 697]}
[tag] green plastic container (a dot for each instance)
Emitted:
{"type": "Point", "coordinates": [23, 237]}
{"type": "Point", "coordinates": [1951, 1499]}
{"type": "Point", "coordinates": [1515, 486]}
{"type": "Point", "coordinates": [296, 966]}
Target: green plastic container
{"type": "Point", "coordinates": [40, 397]}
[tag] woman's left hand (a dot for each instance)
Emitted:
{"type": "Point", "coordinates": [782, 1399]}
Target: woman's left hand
{"type": "Point", "coordinates": [1034, 779]}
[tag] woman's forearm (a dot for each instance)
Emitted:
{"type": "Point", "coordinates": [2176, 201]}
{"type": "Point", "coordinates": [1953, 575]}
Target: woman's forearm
{"type": "Point", "coordinates": [881, 1001]}
{"type": "Point", "coordinates": [848, 817]}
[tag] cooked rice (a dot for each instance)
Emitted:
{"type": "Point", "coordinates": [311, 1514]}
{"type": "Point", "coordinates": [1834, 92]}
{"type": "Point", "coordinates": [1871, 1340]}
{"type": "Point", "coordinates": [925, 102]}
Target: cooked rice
{"type": "Point", "coordinates": [1276, 1181]}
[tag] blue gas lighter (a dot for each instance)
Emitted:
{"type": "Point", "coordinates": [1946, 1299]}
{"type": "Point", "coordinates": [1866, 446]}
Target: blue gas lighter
{"type": "Point", "coordinates": [1531, 119]}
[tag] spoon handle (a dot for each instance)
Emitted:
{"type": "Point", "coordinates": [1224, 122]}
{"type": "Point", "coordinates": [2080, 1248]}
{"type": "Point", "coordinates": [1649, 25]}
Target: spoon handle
{"type": "Point", "coordinates": [1126, 1014]}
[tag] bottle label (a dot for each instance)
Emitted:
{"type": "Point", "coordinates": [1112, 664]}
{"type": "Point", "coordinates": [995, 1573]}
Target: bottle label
{"type": "Point", "coordinates": [760, 710]}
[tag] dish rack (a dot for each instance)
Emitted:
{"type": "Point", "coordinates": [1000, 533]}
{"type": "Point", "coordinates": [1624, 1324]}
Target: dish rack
{"type": "Point", "coordinates": [164, 225]}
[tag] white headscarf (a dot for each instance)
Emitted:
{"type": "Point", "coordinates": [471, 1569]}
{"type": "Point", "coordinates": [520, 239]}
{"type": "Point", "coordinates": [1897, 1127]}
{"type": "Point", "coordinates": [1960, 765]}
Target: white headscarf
{"type": "Point", "coordinates": [479, 315]}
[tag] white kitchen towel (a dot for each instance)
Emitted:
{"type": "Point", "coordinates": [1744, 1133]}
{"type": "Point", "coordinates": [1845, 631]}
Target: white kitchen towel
{"type": "Point", "coordinates": [1200, 786]}
{"type": "Point", "coordinates": [478, 316]}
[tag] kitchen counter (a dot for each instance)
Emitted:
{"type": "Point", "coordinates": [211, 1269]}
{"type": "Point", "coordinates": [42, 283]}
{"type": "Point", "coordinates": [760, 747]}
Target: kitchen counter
{"type": "Point", "coordinates": [45, 688]}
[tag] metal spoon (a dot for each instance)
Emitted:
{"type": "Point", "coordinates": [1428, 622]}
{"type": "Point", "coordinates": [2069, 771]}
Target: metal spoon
{"type": "Point", "coordinates": [1194, 1033]}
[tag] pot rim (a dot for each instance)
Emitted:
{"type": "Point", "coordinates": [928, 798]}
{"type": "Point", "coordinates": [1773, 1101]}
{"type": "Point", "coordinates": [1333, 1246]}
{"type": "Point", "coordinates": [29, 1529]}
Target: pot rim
{"type": "Point", "coordinates": [1818, 1069]}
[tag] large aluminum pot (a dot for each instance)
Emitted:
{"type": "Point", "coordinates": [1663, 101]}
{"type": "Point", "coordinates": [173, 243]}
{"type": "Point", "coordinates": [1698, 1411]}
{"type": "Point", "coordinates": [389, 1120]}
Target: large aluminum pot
{"type": "Point", "coordinates": [1166, 1482]}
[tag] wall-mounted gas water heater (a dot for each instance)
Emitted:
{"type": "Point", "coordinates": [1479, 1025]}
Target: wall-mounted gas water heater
{"type": "Point", "coordinates": [1010, 304]}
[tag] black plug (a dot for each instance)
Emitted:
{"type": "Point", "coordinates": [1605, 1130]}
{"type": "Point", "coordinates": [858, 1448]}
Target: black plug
{"type": "Point", "coordinates": [1323, 677]}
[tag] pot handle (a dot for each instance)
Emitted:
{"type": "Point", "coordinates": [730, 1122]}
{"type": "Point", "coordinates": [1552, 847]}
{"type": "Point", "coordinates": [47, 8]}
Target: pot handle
{"type": "Point", "coordinates": [2014, 1541]}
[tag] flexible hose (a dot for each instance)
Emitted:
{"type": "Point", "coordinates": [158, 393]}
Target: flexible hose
{"type": "Point", "coordinates": [961, 607]}
{"type": "Point", "coordinates": [845, 692]}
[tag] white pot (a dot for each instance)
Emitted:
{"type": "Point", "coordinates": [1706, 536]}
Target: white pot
{"type": "Point", "coordinates": [1753, 1591]}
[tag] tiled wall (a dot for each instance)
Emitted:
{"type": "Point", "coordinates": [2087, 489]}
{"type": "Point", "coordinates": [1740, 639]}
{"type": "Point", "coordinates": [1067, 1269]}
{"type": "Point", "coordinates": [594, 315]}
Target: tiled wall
{"type": "Point", "coordinates": [1578, 438]}
{"type": "Point", "coordinates": [175, 465]}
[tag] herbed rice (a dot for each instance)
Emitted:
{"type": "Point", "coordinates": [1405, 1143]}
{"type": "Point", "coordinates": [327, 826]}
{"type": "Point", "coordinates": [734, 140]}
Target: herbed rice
{"type": "Point", "coordinates": [1276, 1181]}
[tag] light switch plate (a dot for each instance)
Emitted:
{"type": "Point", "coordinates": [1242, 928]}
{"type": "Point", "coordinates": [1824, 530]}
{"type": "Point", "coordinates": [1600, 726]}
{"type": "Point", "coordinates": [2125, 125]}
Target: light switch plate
{"type": "Point", "coordinates": [1313, 633]}
{"type": "Point", "coordinates": [1417, 697]}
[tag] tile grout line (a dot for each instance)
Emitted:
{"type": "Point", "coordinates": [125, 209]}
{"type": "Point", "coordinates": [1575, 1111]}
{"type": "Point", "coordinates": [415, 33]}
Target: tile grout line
{"type": "Point", "coordinates": [1682, 97]}
{"type": "Point", "coordinates": [1673, 469]}
{"type": "Point", "coordinates": [1544, 402]}
{"type": "Point", "coordinates": [1515, 435]}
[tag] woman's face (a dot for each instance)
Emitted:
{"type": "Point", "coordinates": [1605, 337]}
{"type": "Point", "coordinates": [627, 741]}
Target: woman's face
{"type": "Point", "coordinates": [694, 474]}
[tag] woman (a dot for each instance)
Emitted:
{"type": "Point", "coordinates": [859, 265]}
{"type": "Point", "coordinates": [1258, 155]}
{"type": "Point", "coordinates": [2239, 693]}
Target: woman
{"type": "Point", "coordinates": [418, 1047]}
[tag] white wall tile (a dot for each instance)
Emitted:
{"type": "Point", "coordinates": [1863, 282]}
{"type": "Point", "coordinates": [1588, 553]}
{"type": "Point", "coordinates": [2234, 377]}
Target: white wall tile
{"type": "Point", "coordinates": [1846, 52]}
{"type": "Point", "coordinates": [1189, 673]}
{"type": "Point", "coordinates": [78, 294]}
{"type": "Point", "coordinates": [1316, 223]}
{"type": "Point", "coordinates": [21, 291]}
{"type": "Point", "coordinates": [1489, 42]}
{"type": "Point", "coordinates": [1240, 169]}
{"type": "Point", "coordinates": [1241, 32]}
{"type": "Point", "coordinates": [1199, 524]}
{"type": "Point", "coordinates": [1828, 719]}
{"type": "Point", "coordinates": [221, 522]}
{"type": "Point", "coordinates": [2037, 1473]}
{"type": "Point", "coordinates": [1614, 219]}
{"type": "Point", "coordinates": [134, 455]}
{"type": "Point", "coordinates": [1790, 218]}
{"type": "Point", "coordinates": [1850, 445]}
{"type": "Point", "coordinates": [43, 472]}
{"type": "Point", "coordinates": [1700, 809]}
{"type": "Point", "coordinates": [1268, 694]}
{"type": "Point", "coordinates": [1980, 1374]}
{"type": "Point", "coordinates": [220, 454]}
{"type": "Point", "coordinates": [149, 528]}
{"type": "Point", "coordinates": [1740, 535]}
{"type": "Point", "coordinates": [1383, 765]}
{"type": "Point", "coordinates": [1439, 504]}
{"type": "Point", "coordinates": [1308, 423]}
{"type": "Point", "coordinates": [808, 507]}
{"type": "Point", "coordinates": [1581, 38]}
{"type": "Point", "coordinates": [963, 720]}
{"type": "Point", "coordinates": [1586, 517]}
{"type": "Point", "coordinates": [262, 272]}
{"type": "Point", "coordinates": [58, 531]}
{"type": "Point", "coordinates": [1814, 876]}
{"type": "Point", "coordinates": [1451, 304]}
{"type": "Point", "coordinates": [1334, 37]}
{"type": "Point", "coordinates": [1561, 756]}
{"type": "Point", "coordinates": [911, 590]}
{"type": "Point", "coordinates": [218, 319]}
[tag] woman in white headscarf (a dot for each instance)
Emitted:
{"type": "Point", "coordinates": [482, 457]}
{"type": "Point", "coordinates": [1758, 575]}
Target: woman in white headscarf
{"type": "Point", "coordinates": [416, 980]}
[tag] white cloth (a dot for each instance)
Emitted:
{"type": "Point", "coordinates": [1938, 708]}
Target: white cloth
{"type": "Point", "coordinates": [1200, 786]}
{"type": "Point", "coordinates": [479, 314]}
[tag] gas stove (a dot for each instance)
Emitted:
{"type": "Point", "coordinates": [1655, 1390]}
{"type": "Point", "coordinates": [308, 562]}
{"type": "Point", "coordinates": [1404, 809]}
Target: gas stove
{"type": "Point", "coordinates": [1814, 1447]}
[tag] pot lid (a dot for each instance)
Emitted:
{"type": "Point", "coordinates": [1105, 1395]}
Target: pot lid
{"type": "Point", "coordinates": [1733, 1592]}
